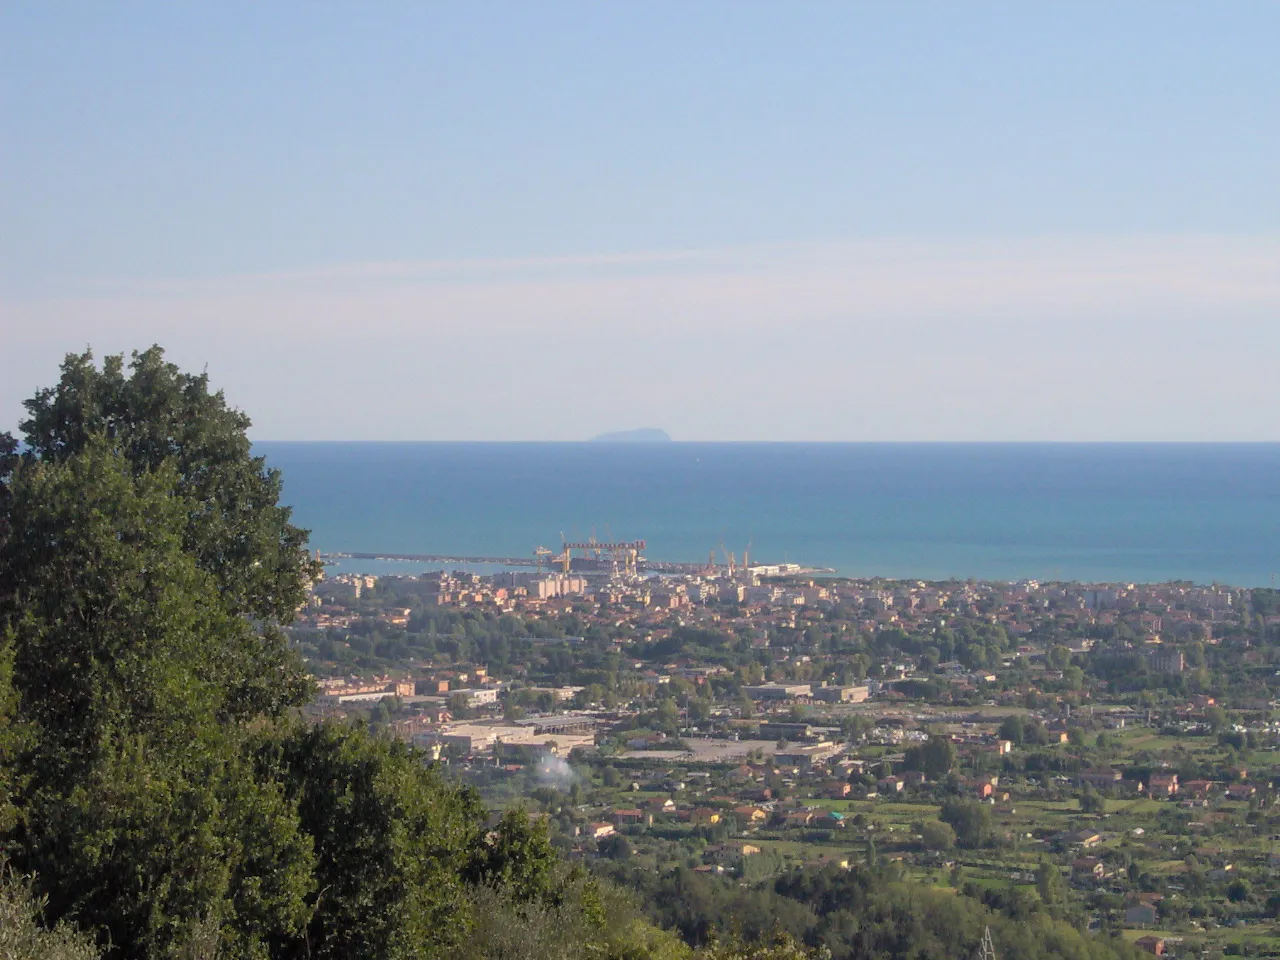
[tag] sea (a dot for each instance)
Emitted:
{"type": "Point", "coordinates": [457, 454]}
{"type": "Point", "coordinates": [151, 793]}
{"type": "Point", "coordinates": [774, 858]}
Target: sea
{"type": "Point", "coordinates": [1000, 511]}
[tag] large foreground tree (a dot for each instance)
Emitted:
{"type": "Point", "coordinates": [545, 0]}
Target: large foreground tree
{"type": "Point", "coordinates": [158, 785]}
{"type": "Point", "coordinates": [145, 564]}
{"type": "Point", "coordinates": [155, 778]}
{"type": "Point", "coordinates": [135, 683]}
{"type": "Point", "coordinates": [153, 415]}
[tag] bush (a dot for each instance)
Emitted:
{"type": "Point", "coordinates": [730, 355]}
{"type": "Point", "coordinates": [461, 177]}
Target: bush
{"type": "Point", "coordinates": [21, 935]}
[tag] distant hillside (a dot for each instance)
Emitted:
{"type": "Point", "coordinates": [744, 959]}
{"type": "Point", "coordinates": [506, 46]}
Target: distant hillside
{"type": "Point", "coordinates": [643, 435]}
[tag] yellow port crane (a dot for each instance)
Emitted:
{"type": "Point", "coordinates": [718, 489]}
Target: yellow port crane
{"type": "Point", "coordinates": [625, 553]}
{"type": "Point", "coordinates": [542, 553]}
{"type": "Point", "coordinates": [539, 553]}
{"type": "Point", "coordinates": [730, 562]}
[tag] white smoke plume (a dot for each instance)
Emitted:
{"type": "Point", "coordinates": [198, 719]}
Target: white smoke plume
{"type": "Point", "coordinates": [556, 771]}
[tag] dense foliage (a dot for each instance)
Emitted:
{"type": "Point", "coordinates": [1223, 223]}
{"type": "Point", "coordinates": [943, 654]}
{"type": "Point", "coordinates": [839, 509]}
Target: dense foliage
{"type": "Point", "coordinates": [22, 935]}
{"type": "Point", "coordinates": [159, 787]}
{"type": "Point", "coordinates": [157, 416]}
{"type": "Point", "coordinates": [867, 913]}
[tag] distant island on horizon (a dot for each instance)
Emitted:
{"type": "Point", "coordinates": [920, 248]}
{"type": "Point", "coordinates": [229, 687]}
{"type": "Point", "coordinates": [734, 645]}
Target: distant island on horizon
{"type": "Point", "coordinates": [642, 435]}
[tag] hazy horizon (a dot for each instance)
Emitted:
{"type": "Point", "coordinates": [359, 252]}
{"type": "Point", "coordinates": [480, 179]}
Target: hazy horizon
{"type": "Point", "coordinates": [739, 222]}
{"type": "Point", "coordinates": [269, 441]}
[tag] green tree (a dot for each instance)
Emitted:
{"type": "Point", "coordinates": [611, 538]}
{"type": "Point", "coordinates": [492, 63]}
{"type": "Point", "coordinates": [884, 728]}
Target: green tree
{"type": "Point", "coordinates": [935, 757]}
{"type": "Point", "coordinates": [616, 847]}
{"type": "Point", "coordinates": [380, 715]}
{"type": "Point", "coordinates": [1216, 718]}
{"type": "Point", "coordinates": [580, 926]}
{"type": "Point", "coordinates": [969, 819]}
{"type": "Point", "coordinates": [780, 946]}
{"type": "Point", "coordinates": [855, 726]}
{"type": "Point", "coordinates": [134, 685]}
{"type": "Point", "coordinates": [699, 710]}
{"type": "Point", "coordinates": [1239, 890]}
{"type": "Point", "coordinates": [1091, 801]}
{"type": "Point", "coordinates": [1049, 883]}
{"type": "Point", "coordinates": [155, 415]}
{"type": "Point", "coordinates": [1013, 729]}
{"type": "Point", "coordinates": [392, 842]}
{"type": "Point", "coordinates": [667, 717]}
{"type": "Point", "coordinates": [936, 835]}
{"type": "Point", "coordinates": [516, 855]}
{"type": "Point", "coordinates": [23, 937]}
{"type": "Point", "coordinates": [156, 782]}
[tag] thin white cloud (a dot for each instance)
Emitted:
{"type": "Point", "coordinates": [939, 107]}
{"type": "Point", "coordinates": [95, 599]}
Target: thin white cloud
{"type": "Point", "coordinates": [1068, 338]}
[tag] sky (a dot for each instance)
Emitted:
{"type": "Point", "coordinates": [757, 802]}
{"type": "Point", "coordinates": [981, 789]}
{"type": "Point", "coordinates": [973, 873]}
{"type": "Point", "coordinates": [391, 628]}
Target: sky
{"type": "Point", "coordinates": [730, 220]}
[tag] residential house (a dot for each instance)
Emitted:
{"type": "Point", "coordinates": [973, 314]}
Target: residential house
{"type": "Point", "coordinates": [829, 860]}
{"type": "Point", "coordinates": [731, 851]}
{"type": "Point", "coordinates": [1197, 789]}
{"type": "Point", "coordinates": [1088, 868]}
{"type": "Point", "coordinates": [1163, 785]}
{"type": "Point", "coordinates": [836, 789]}
{"type": "Point", "coordinates": [1100, 776]}
{"type": "Point", "coordinates": [750, 815]}
{"type": "Point", "coordinates": [1084, 838]}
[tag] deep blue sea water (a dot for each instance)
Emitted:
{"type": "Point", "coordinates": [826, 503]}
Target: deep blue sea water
{"type": "Point", "coordinates": [1139, 512]}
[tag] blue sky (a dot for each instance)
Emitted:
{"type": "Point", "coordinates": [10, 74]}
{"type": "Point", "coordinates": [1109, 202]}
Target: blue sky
{"type": "Point", "coordinates": [733, 220]}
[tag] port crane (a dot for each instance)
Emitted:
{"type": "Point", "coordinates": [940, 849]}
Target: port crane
{"type": "Point", "coordinates": [562, 558]}
{"type": "Point", "coordinates": [625, 554]}
{"type": "Point", "coordinates": [731, 559]}
{"type": "Point", "coordinates": [540, 553]}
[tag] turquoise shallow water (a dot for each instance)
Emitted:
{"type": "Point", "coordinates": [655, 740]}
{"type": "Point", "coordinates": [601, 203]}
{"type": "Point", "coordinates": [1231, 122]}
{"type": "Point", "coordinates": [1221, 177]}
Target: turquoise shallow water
{"type": "Point", "coordinates": [1140, 512]}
